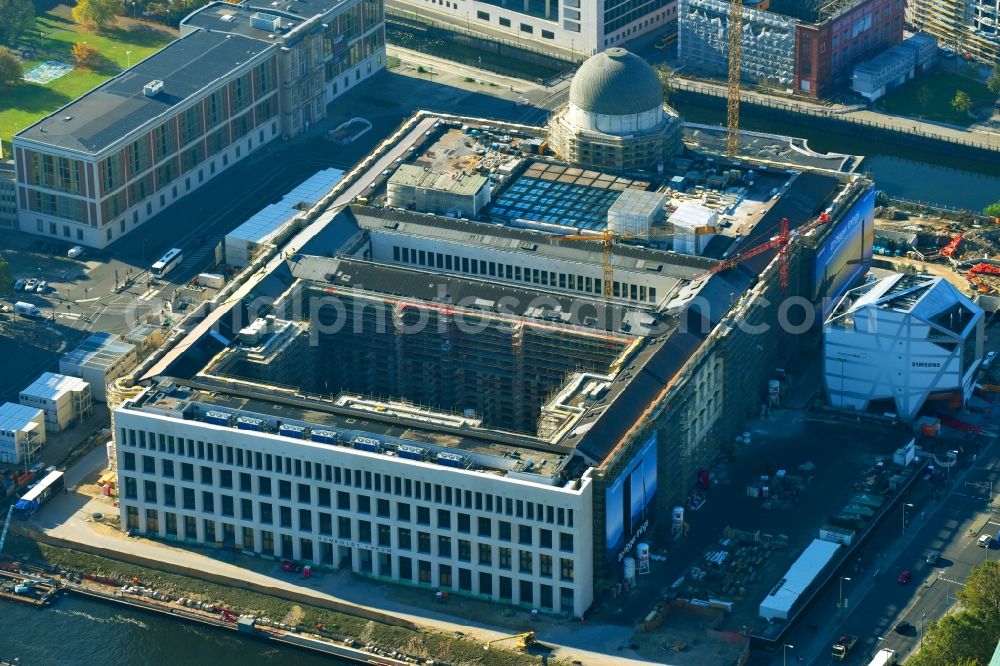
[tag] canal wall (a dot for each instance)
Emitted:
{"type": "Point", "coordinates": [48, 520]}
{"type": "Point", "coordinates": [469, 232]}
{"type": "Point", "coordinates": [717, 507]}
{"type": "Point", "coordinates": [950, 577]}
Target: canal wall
{"type": "Point", "coordinates": [290, 595]}
{"type": "Point", "coordinates": [918, 135]}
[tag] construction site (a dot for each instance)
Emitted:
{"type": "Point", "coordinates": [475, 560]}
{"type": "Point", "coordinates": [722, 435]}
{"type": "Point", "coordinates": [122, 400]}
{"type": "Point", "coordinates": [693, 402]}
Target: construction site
{"type": "Point", "coordinates": [807, 47]}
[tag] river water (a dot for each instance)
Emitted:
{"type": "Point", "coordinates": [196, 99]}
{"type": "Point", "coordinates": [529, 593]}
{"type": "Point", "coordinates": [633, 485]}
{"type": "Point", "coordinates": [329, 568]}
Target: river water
{"type": "Point", "coordinates": [934, 177]}
{"type": "Point", "coordinates": [86, 632]}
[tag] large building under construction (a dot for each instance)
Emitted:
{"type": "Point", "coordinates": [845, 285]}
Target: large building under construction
{"type": "Point", "coordinates": [501, 404]}
{"type": "Point", "coordinates": [968, 27]}
{"type": "Point", "coordinates": [809, 46]}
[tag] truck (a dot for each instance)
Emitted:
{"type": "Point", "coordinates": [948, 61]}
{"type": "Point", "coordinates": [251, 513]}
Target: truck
{"type": "Point", "coordinates": [884, 657]}
{"type": "Point", "coordinates": [27, 309]}
{"type": "Point", "coordinates": [41, 493]}
{"type": "Point", "coordinates": [843, 646]}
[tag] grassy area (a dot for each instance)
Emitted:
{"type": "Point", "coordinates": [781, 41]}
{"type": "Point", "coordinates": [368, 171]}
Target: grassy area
{"type": "Point", "coordinates": [52, 39]}
{"type": "Point", "coordinates": [929, 97]}
{"type": "Point", "coordinates": [335, 624]}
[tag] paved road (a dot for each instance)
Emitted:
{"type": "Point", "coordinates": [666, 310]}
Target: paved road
{"type": "Point", "coordinates": [876, 602]}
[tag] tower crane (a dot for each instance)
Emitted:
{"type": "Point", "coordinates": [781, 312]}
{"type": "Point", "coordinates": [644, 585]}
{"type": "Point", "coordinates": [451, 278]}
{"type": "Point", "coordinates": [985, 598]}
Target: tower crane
{"type": "Point", "coordinates": [733, 87]}
{"type": "Point", "coordinates": [782, 241]}
{"type": "Point", "coordinates": [607, 239]}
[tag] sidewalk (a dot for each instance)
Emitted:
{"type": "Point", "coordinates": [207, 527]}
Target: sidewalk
{"type": "Point", "coordinates": [977, 138]}
{"type": "Point", "coordinates": [67, 518]}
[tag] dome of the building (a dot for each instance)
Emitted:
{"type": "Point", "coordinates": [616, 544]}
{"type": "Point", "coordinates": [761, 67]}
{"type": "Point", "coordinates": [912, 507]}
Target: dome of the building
{"type": "Point", "coordinates": [616, 82]}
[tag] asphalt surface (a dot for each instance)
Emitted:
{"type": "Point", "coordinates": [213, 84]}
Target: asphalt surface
{"type": "Point", "coordinates": [875, 602]}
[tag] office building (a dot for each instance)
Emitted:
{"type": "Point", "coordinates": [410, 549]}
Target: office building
{"type": "Point", "coordinates": [99, 360]}
{"type": "Point", "coordinates": [238, 78]}
{"type": "Point", "coordinates": [968, 28]}
{"type": "Point", "coordinates": [807, 46]}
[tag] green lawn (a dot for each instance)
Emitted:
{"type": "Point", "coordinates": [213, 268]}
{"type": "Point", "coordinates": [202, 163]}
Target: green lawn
{"type": "Point", "coordinates": [53, 37]}
{"type": "Point", "coordinates": [941, 87]}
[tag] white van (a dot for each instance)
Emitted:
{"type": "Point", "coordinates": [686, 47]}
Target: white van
{"type": "Point", "coordinates": [27, 309]}
{"type": "Point", "coordinates": [75, 251]}
{"type": "Point", "coordinates": [985, 541]}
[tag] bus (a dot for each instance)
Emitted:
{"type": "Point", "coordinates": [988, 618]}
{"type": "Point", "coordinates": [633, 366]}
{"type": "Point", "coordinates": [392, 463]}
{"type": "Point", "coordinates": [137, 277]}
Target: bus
{"type": "Point", "coordinates": [167, 262]}
{"type": "Point", "coordinates": [41, 493]}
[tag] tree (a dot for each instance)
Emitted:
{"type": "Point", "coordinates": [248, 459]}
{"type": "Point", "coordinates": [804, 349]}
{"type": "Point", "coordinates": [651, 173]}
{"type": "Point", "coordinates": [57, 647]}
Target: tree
{"type": "Point", "coordinates": [993, 209]}
{"type": "Point", "coordinates": [86, 56]}
{"type": "Point", "coordinates": [16, 16]}
{"type": "Point", "coordinates": [993, 83]}
{"type": "Point", "coordinates": [981, 593]}
{"type": "Point", "coordinates": [6, 279]}
{"type": "Point", "coordinates": [666, 76]}
{"type": "Point", "coordinates": [10, 67]}
{"type": "Point", "coordinates": [925, 96]}
{"type": "Point", "coordinates": [962, 102]}
{"type": "Point", "coordinates": [97, 14]}
{"type": "Point", "coordinates": [956, 639]}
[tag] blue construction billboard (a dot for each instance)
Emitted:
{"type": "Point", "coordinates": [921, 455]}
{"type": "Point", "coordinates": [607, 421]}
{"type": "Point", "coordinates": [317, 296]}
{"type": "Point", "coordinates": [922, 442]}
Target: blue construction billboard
{"type": "Point", "coordinates": [846, 254]}
{"type": "Point", "coordinates": [629, 503]}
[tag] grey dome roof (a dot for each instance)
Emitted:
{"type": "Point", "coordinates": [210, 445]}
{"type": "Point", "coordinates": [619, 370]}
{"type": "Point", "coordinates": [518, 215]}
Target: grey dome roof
{"type": "Point", "coordinates": [616, 82]}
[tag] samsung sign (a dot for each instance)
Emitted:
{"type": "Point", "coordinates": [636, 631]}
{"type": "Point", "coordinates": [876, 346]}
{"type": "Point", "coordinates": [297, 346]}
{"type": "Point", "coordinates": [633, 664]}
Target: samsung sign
{"type": "Point", "coordinates": [926, 364]}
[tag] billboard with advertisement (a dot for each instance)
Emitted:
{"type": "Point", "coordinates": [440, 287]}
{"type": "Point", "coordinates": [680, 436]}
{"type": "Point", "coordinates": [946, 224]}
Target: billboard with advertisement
{"type": "Point", "coordinates": [629, 503]}
{"type": "Point", "coordinates": [846, 254]}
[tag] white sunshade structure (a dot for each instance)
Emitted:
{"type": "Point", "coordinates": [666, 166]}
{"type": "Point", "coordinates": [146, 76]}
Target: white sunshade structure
{"type": "Point", "coordinates": [906, 339]}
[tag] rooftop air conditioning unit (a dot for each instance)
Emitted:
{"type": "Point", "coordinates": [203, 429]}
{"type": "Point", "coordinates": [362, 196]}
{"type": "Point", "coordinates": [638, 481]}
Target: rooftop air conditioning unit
{"type": "Point", "coordinates": [153, 88]}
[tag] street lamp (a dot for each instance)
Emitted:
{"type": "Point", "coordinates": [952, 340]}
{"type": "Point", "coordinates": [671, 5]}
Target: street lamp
{"type": "Point", "coordinates": [784, 653]}
{"type": "Point", "coordinates": [840, 604]}
{"type": "Point", "coordinates": [128, 55]}
{"type": "Point", "coordinates": [904, 517]}
{"type": "Point", "coordinates": [922, 629]}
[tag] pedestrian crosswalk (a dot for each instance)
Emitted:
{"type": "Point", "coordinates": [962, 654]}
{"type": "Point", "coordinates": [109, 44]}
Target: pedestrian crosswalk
{"type": "Point", "coordinates": [197, 254]}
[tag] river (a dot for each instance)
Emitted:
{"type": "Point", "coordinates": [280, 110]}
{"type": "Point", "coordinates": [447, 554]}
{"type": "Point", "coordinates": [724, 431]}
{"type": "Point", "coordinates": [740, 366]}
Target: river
{"type": "Point", "coordinates": [82, 631]}
{"type": "Point", "coordinates": [901, 171]}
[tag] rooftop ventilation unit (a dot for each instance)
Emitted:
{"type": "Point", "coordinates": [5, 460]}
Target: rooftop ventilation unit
{"type": "Point", "coordinates": [263, 21]}
{"type": "Point", "coordinates": [153, 88]}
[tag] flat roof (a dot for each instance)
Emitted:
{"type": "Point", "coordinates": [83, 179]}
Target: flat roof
{"type": "Point", "coordinates": [409, 175]}
{"type": "Point", "coordinates": [168, 395]}
{"type": "Point", "coordinates": [798, 577]}
{"type": "Point", "coordinates": [97, 119]}
{"type": "Point", "coordinates": [266, 222]}
{"type": "Point", "coordinates": [52, 386]}
{"type": "Point", "coordinates": [494, 297]}
{"type": "Point", "coordinates": [18, 417]}
{"type": "Point", "coordinates": [99, 351]}
{"type": "Point", "coordinates": [235, 19]}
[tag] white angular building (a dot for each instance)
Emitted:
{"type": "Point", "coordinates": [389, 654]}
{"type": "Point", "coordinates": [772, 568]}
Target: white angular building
{"type": "Point", "coordinates": [902, 340]}
{"type": "Point", "coordinates": [22, 432]}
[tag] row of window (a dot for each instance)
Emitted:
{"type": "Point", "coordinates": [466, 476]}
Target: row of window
{"type": "Point", "coordinates": [490, 584]}
{"type": "Point", "coordinates": [472, 266]}
{"type": "Point", "coordinates": [337, 475]}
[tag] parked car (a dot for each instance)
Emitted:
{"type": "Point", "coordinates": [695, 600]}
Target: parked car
{"type": "Point", "coordinates": [75, 251]}
{"type": "Point", "coordinates": [985, 541]}
{"type": "Point", "coordinates": [30, 284]}
{"type": "Point", "coordinates": [903, 627]}
{"type": "Point", "coordinates": [19, 285]}
{"type": "Point", "coordinates": [988, 361]}
{"type": "Point", "coordinates": [933, 558]}
{"type": "Point", "coordinates": [288, 565]}
{"type": "Point", "coordinates": [904, 577]}
{"type": "Point", "coordinates": [41, 287]}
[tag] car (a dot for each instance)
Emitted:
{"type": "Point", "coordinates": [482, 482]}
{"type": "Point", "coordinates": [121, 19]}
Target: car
{"type": "Point", "coordinates": [288, 565]}
{"type": "Point", "coordinates": [985, 541]}
{"type": "Point", "coordinates": [30, 284]}
{"type": "Point", "coordinates": [41, 287]}
{"type": "Point", "coordinates": [933, 557]}
{"type": "Point", "coordinates": [75, 251]}
{"type": "Point", "coordinates": [904, 577]}
{"type": "Point", "coordinates": [19, 285]}
{"type": "Point", "coordinates": [988, 361]}
{"type": "Point", "coordinates": [903, 627]}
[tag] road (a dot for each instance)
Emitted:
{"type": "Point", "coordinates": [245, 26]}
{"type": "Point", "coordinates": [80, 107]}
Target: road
{"type": "Point", "coordinates": [875, 601]}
